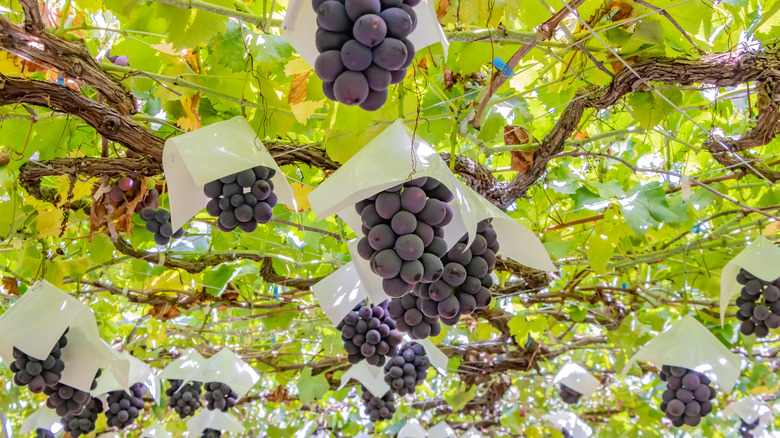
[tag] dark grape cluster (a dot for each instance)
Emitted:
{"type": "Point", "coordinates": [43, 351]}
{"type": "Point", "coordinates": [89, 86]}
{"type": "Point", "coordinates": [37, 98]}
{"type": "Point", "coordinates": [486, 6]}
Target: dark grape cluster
{"type": "Point", "coordinates": [363, 48]}
{"type": "Point", "coordinates": [219, 396]}
{"type": "Point", "coordinates": [211, 433]}
{"type": "Point", "coordinates": [83, 422]}
{"type": "Point", "coordinates": [243, 199]}
{"type": "Point", "coordinates": [378, 408]}
{"type": "Point", "coordinates": [464, 285]}
{"type": "Point", "coordinates": [36, 374]}
{"type": "Point", "coordinates": [159, 223]}
{"type": "Point", "coordinates": [128, 187]}
{"type": "Point", "coordinates": [369, 333]}
{"type": "Point", "coordinates": [43, 433]}
{"type": "Point", "coordinates": [407, 370]}
{"type": "Point", "coordinates": [569, 395]}
{"type": "Point", "coordinates": [403, 230]}
{"type": "Point", "coordinates": [124, 408]}
{"type": "Point", "coordinates": [66, 399]}
{"type": "Point", "coordinates": [184, 399]}
{"type": "Point", "coordinates": [746, 429]}
{"type": "Point", "coordinates": [759, 304]}
{"type": "Point", "coordinates": [410, 318]}
{"type": "Point", "coordinates": [687, 397]}
{"type": "Point", "coordinates": [565, 433]}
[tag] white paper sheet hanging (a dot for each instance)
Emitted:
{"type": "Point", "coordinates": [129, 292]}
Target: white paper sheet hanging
{"type": "Point", "coordinates": [412, 429]}
{"type": "Point", "coordinates": [371, 377]}
{"type": "Point", "coordinates": [125, 371]}
{"type": "Point", "coordinates": [761, 258]}
{"type": "Point", "coordinates": [441, 430]}
{"type": "Point", "coordinates": [226, 367]}
{"type": "Point", "coordinates": [690, 345]}
{"type": "Point", "coordinates": [573, 424]}
{"type": "Point", "coordinates": [370, 282]}
{"type": "Point", "coordinates": [213, 419]}
{"type": "Point", "coordinates": [436, 357]}
{"type": "Point", "coordinates": [198, 157]}
{"type": "Point", "coordinates": [185, 368]}
{"type": "Point", "coordinates": [37, 320]}
{"type": "Point", "coordinates": [43, 418]}
{"type": "Point", "coordinates": [750, 409]}
{"type": "Point", "coordinates": [339, 292]}
{"type": "Point", "coordinates": [300, 25]}
{"type": "Point", "coordinates": [578, 379]}
{"type": "Point", "coordinates": [471, 433]}
{"type": "Point", "coordinates": [156, 430]}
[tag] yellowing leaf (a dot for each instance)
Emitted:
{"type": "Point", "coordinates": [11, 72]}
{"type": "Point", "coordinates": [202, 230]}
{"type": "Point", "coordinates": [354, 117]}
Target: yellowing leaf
{"type": "Point", "coordinates": [81, 189]}
{"type": "Point", "coordinates": [192, 120]}
{"type": "Point", "coordinates": [10, 64]}
{"type": "Point", "coordinates": [297, 66]}
{"type": "Point", "coordinates": [600, 250]}
{"type": "Point", "coordinates": [301, 196]}
{"type": "Point", "coordinates": [305, 109]}
{"type": "Point", "coordinates": [297, 92]}
{"type": "Point", "coordinates": [166, 48]}
{"type": "Point", "coordinates": [48, 222]}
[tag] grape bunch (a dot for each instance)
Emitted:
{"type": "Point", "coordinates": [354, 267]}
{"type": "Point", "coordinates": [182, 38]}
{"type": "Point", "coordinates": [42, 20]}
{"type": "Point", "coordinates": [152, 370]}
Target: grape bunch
{"type": "Point", "coordinates": [128, 187]}
{"type": "Point", "coordinates": [403, 230]}
{"type": "Point", "coordinates": [407, 370]}
{"type": "Point", "coordinates": [66, 399]}
{"type": "Point", "coordinates": [124, 408]}
{"type": "Point", "coordinates": [242, 199]}
{"type": "Point", "coordinates": [369, 333]}
{"type": "Point", "coordinates": [746, 429]}
{"type": "Point", "coordinates": [83, 422]}
{"type": "Point", "coordinates": [36, 374]}
{"type": "Point", "coordinates": [211, 433]}
{"type": "Point", "coordinates": [159, 223]}
{"type": "Point", "coordinates": [378, 408]}
{"type": "Point", "coordinates": [464, 285]}
{"type": "Point", "coordinates": [219, 396]}
{"type": "Point", "coordinates": [363, 48]}
{"type": "Point", "coordinates": [759, 305]}
{"type": "Point", "coordinates": [184, 398]}
{"type": "Point", "coordinates": [410, 317]}
{"type": "Point", "coordinates": [569, 395]}
{"type": "Point", "coordinates": [43, 433]}
{"type": "Point", "coordinates": [687, 397]}
{"type": "Point", "coordinates": [565, 433]}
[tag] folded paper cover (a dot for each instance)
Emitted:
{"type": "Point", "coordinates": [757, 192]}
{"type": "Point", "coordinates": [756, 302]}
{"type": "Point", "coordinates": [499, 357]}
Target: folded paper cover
{"type": "Point", "coordinates": [339, 293]}
{"type": "Point", "coordinates": [412, 429]}
{"type": "Point", "coordinates": [578, 379]}
{"type": "Point", "coordinates": [198, 157]}
{"type": "Point", "coordinates": [370, 282]}
{"type": "Point", "coordinates": [226, 367]}
{"type": "Point", "coordinates": [690, 345]}
{"type": "Point", "coordinates": [567, 420]}
{"type": "Point", "coordinates": [435, 356]}
{"type": "Point", "coordinates": [362, 434]}
{"type": "Point", "coordinates": [43, 418]}
{"type": "Point", "coordinates": [471, 433]}
{"type": "Point", "coordinates": [750, 409]}
{"type": "Point", "coordinates": [373, 378]}
{"type": "Point", "coordinates": [300, 25]}
{"type": "Point", "coordinates": [185, 368]}
{"type": "Point", "coordinates": [156, 430]}
{"type": "Point", "coordinates": [213, 419]}
{"type": "Point", "coordinates": [124, 372]}
{"type": "Point", "coordinates": [37, 320]}
{"type": "Point", "coordinates": [441, 430]}
{"type": "Point", "coordinates": [761, 258]}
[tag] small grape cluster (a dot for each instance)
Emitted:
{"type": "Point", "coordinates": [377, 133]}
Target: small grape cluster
{"type": "Point", "coordinates": [369, 333]}
{"type": "Point", "coordinates": [569, 395]}
{"type": "Point", "coordinates": [159, 223]}
{"type": "Point", "coordinates": [211, 433]}
{"type": "Point", "coordinates": [746, 429]}
{"type": "Point", "coordinates": [219, 396]}
{"type": "Point", "coordinates": [403, 230]}
{"type": "Point", "coordinates": [378, 408]}
{"type": "Point", "coordinates": [243, 199]}
{"type": "Point", "coordinates": [36, 373]}
{"type": "Point", "coordinates": [759, 304]}
{"type": "Point", "coordinates": [687, 397]}
{"type": "Point", "coordinates": [124, 408]}
{"type": "Point", "coordinates": [43, 433]}
{"type": "Point", "coordinates": [363, 48]}
{"type": "Point", "coordinates": [565, 433]}
{"type": "Point", "coordinates": [407, 370]}
{"type": "Point", "coordinates": [185, 399]}
{"type": "Point", "coordinates": [464, 285]}
{"type": "Point", "coordinates": [83, 422]}
{"type": "Point", "coordinates": [410, 317]}
{"type": "Point", "coordinates": [128, 187]}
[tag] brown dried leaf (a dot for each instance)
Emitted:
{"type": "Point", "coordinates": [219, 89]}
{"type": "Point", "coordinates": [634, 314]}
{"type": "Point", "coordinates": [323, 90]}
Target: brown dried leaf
{"type": "Point", "coordinates": [441, 10]}
{"type": "Point", "coordinates": [450, 79]}
{"type": "Point", "coordinates": [11, 285]}
{"type": "Point", "coordinates": [521, 161]}
{"type": "Point", "coordinates": [279, 395]}
{"type": "Point", "coordinates": [514, 135]}
{"type": "Point", "coordinates": [192, 60]}
{"type": "Point", "coordinates": [298, 88]}
{"type": "Point", "coordinates": [625, 10]}
{"type": "Point", "coordinates": [582, 134]}
{"type": "Point", "coordinates": [164, 312]}
{"type": "Point", "coordinates": [229, 296]}
{"type": "Point", "coordinates": [423, 64]}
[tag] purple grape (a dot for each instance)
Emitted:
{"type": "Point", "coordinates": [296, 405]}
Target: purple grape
{"type": "Point", "coordinates": [377, 77]}
{"type": "Point", "coordinates": [326, 40]}
{"type": "Point", "coordinates": [332, 16]}
{"type": "Point", "coordinates": [375, 100]}
{"type": "Point", "coordinates": [355, 56]}
{"type": "Point", "coordinates": [351, 88]}
{"type": "Point", "coordinates": [390, 54]}
{"type": "Point", "coordinates": [329, 65]}
{"type": "Point", "coordinates": [399, 23]}
{"type": "Point", "coordinates": [370, 30]}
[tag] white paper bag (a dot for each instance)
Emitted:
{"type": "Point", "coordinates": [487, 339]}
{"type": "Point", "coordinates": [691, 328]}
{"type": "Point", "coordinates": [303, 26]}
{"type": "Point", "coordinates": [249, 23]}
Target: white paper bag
{"type": "Point", "coordinates": [412, 429]}
{"type": "Point", "coordinates": [156, 430]}
{"type": "Point", "coordinates": [124, 372]}
{"type": "Point", "coordinates": [185, 368]}
{"type": "Point", "coordinates": [573, 424]}
{"type": "Point", "coordinates": [373, 378]}
{"type": "Point", "coordinates": [441, 430]}
{"type": "Point", "coordinates": [213, 419]}
{"type": "Point", "coordinates": [198, 157]}
{"type": "Point", "coordinates": [37, 320]}
{"type": "Point", "coordinates": [43, 418]}
{"type": "Point", "coordinates": [750, 409]}
{"type": "Point", "coordinates": [362, 434]}
{"type": "Point", "coordinates": [578, 379]}
{"type": "Point", "coordinates": [109, 435]}
{"type": "Point", "coordinates": [226, 367]}
{"type": "Point", "coordinates": [761, 258]}
{"type": "Point", "coordinates": [690, 345]}
{"type": "Point", "coordinates": [436, 357]}
{"type": "Point", "coordinates": [339, 293]}
{"type": "Point", "coordinates": [300, 25]}
{"type": "Point", "coordinates": [471, 433]}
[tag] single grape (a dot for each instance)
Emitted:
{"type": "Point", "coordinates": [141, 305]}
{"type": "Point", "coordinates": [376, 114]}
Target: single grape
{"type": "Point", "coordinates": [356, 56]}
{"type": "Point", "coordinates": [390, 54]}
{"type": "Point", "coordinates": [351, 87]}
{"type": "Point", "coordinates": [332, 16]}
{"type": "Point", "coordinates": [329, 65]}
{"type": "Point", "coordinates": [370, 30]}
